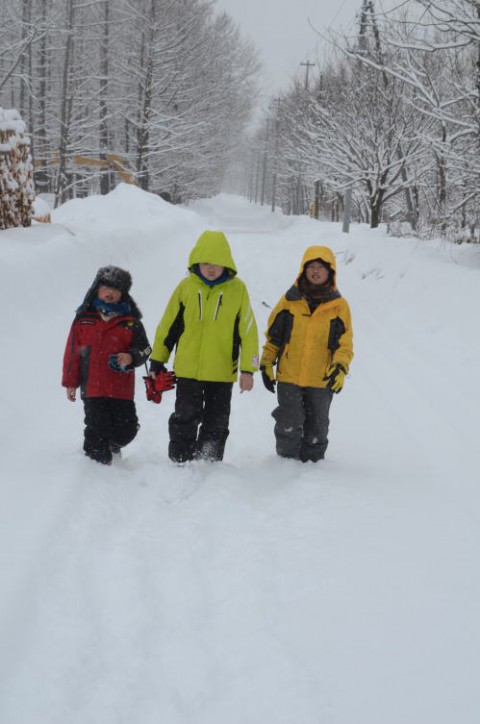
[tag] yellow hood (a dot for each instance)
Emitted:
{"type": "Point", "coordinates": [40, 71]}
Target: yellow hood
{"type": "Point", "coordinates": [319, 252]}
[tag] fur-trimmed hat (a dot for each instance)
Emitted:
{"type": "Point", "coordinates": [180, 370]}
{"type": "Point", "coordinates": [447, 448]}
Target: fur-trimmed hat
{"type": "Point", "coordinates": [114, 277]}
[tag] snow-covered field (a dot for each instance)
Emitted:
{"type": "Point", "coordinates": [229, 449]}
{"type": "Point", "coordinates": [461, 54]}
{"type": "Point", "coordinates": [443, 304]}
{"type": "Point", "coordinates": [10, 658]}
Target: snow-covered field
{"type": "Point", "coordinates": [258, 590]}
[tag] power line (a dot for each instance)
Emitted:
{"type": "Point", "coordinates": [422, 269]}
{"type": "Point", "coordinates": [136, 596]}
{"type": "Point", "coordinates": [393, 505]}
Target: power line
{"type": "Point", "coordinates": [337, 14]}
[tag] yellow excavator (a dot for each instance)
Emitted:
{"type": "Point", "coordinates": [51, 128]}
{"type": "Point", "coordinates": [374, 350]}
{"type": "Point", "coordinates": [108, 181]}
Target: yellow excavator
{"type": "Point", "coordinates": [111, 161]}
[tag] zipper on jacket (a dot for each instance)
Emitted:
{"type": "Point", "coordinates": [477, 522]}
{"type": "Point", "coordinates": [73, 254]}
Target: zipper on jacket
{"type": "Point", "coordinates": [219, 304]}
{"type": "Point", "coordinates": [200, 308]}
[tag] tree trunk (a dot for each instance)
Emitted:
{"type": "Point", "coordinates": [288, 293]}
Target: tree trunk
{"type": "Point", "coordinates": [143, 134]}
{"type": "Point", "coordinates": [42, 146]}
{"type": "Point", "coordinates": [376, 205]}
{"type": "Point", "coordinates": [105, 178]}
{"type": "Point", "coordinates": [66, 108]}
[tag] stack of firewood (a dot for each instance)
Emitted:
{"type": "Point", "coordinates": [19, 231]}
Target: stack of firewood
{"type": "Point", "coordinates": [17, 190]}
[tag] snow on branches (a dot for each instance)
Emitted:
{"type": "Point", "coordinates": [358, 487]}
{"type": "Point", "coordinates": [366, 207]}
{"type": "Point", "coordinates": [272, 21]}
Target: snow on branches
{"type": "Point", "coordinates": [17, 191]}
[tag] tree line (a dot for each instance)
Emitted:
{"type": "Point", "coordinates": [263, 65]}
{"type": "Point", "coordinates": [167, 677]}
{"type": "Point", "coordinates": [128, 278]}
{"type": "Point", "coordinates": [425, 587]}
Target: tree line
{"type": "Point", "coordinates": [155, 92]}
{"type": "Point", "coordinates": [391, 117]}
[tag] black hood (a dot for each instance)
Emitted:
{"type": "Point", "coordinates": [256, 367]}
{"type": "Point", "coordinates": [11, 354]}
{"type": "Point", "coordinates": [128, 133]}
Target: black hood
{"type": "Point", "coordinates": [116, 278]}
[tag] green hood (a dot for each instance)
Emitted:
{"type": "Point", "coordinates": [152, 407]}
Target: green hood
{"type": "Point", "coordinates": [212, 247]}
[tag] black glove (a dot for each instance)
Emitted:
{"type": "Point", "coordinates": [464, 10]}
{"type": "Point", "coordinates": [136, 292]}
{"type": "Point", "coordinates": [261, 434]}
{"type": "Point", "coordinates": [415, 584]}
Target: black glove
{"type": "Point", "coordinates": [268, 378]}
{"type": "Point", "coordinates": [157, 367]}
{"type": "Point", "coordinates": [336, 377]}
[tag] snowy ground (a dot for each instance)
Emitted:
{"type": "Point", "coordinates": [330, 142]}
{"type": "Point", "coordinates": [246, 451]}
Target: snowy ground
{"type": "Point", "coordinates": [256, 591]}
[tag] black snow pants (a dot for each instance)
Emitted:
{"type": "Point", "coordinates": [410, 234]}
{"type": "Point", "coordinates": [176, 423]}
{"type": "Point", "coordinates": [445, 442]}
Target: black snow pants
{"type": "Point", "coordinates": [199, 426]}
{"type": "Point", "coordinates": [301, 421]}
{"type": "Point", "coordinates": [109, 422]}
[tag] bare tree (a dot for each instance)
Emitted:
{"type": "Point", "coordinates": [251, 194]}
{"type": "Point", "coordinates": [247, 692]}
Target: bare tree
{"type": "Point", "coordinates": [437, 54]}
{"type": "Point", "coordinates": [157, 91]}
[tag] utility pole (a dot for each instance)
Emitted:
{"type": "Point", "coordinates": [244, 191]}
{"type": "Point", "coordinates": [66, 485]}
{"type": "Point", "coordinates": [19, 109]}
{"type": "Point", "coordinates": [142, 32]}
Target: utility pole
{"type": "Point", "coordinates": [369, 7]}
{"type": "Point", "coordinates": [307, 65]}
{"type": "Point", "coordinates": [264, 163]}
{"type": "Point", "coordinates": [362, 35]}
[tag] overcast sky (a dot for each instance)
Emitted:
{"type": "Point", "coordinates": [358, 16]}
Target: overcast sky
{"type": "Point", "coordinates": [281, 32]}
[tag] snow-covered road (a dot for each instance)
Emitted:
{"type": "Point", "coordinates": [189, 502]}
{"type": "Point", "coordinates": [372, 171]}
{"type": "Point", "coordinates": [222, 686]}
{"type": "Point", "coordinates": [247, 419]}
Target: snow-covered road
{"type": "Point", "coordinates": [259, 590]}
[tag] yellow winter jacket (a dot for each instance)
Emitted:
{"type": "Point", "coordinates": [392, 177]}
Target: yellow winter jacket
{"type": "Point", "coordinates": [304, 344]}
{"type": "Point", "coordinates": [212, 327]}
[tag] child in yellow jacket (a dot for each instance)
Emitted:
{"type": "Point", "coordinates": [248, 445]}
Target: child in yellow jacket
{"type": "Point", "coordinates": [309, 338]}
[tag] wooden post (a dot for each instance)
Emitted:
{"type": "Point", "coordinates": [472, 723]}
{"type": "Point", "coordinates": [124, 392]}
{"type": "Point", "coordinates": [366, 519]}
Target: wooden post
{"type": "Point", "coordinates": [346, 210]}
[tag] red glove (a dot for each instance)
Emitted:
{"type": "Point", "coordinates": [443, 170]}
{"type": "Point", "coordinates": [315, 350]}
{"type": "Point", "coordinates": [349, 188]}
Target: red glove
{"type": "Point", "coordinates": [164, 381]}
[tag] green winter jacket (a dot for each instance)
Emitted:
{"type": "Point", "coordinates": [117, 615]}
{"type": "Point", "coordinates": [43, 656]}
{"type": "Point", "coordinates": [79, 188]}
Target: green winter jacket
{"type": "Point", "coordinates": [212, 327]}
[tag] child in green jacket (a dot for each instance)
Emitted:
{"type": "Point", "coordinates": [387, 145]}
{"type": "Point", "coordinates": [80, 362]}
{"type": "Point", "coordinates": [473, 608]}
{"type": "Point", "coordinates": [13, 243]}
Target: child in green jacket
{"type": "Point", "coordinates": [211, 324]}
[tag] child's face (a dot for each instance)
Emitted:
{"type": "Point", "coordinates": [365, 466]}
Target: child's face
{"type": "Point", "coordinates": [316, 273]}
{"type": "Point", "coordinates": [211, 271]}
{"type": "Point", "coordinates": [109, 294]}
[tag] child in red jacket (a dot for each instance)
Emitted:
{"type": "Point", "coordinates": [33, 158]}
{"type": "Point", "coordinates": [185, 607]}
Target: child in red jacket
{"type": "Point", "coordinates": [106, 342]}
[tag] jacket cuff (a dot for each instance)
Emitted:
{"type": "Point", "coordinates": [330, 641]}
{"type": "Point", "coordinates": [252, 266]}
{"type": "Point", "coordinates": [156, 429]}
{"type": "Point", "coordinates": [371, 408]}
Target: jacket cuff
{"type": "Point", "coordinates": [156, 366]}
{"type": "Point", "coordinates": [139, 356]}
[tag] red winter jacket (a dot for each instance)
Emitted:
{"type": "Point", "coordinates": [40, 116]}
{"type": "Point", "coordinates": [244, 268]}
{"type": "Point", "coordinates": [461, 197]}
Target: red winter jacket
{"type": "Point", "coordinates": [91, 342]}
